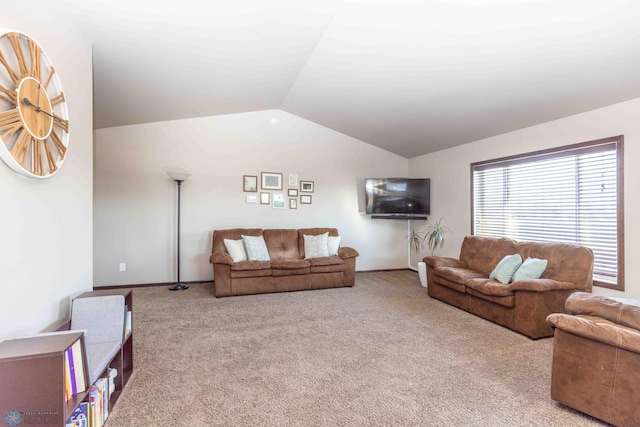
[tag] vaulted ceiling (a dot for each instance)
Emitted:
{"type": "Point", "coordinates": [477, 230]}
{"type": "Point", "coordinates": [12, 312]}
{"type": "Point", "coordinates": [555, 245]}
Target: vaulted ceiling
{"type": "Point", "coordinates": [409, 76]}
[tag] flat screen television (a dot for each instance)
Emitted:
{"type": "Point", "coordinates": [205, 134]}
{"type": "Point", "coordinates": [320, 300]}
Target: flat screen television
{"type": "Point", "coordinates": [398, 197]}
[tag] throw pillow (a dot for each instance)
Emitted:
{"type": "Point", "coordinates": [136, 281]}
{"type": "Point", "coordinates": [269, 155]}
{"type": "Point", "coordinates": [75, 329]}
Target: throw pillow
{"type": "Point", "coordinates": [316, 246]}
{"type": "Point", "coordinates": [236, 249]}
{"type": "Point", "coordinates": [505, 268]}
{"type": "Point", "coordinates": [531, 268]}
{"type": "Point", "coordinates": [334, 244]}
{"type": "Point", "coordinates": [256, 248]}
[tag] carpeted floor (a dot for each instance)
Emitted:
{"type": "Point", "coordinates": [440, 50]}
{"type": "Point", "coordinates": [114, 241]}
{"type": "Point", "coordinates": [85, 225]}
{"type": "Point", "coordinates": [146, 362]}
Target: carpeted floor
{"type": "Point", "coordinates": [379, 354]}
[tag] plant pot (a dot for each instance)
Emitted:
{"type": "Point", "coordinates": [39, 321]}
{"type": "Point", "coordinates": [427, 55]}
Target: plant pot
{"type": "Point", "coordinates": [422, 273]}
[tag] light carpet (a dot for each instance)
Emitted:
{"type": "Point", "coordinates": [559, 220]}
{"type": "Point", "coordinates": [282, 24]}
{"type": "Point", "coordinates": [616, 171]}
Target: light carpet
{"type": "Point", "coordinates": [379, 354]}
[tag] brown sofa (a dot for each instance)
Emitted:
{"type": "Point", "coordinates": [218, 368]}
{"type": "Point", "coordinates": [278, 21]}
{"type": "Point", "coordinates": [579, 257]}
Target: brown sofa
{"type": "Point", "coordinates": [287, 270]}
{"type": "Point", "coordinates": [522, 305]}
{"type": "Point", "coordinates": [596, 358]}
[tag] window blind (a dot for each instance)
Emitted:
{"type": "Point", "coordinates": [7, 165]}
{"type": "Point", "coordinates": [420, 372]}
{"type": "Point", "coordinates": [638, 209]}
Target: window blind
{"type": "Point", "coordinates": [569, 195]}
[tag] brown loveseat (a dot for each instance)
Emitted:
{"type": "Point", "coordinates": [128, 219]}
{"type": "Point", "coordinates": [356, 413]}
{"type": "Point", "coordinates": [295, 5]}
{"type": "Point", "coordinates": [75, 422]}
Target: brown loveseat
{"type": "Point", "coordinates": [522, 305]}
{"type": "Point", "coordinates": [596, 358]}
{"type": "Point", "coordinates": [287, 269]}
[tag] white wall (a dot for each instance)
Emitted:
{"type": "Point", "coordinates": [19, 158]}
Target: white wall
{"type": "Point", "coordinates": [451, 180]}
{"type": "Point", "coordinates": [46, 240]}
{"type": "Point", "coordinates": [135, 201]}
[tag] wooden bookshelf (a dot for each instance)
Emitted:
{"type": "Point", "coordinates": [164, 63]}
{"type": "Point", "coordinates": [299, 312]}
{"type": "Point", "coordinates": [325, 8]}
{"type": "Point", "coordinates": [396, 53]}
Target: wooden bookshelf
{"type": "Point", "coordinates": [32, 379]}
{"type": "Point", "coordinates": [32, 372]}
{"type": "Point", "coordinates": [123, 360]}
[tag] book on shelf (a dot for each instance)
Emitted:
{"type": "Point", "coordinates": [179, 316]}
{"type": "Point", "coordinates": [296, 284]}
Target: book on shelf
{"type": "Point", "coordinates": [99, 402]}
{"type": "Point", "coordinates": [80, 417]}
{"type": "Point", "coordinates": [127, 324]}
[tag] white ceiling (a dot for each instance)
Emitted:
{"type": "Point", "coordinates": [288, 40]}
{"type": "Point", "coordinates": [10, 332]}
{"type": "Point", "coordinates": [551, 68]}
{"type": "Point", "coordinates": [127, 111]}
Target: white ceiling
{"type": "Point", "coordinates": [412, 76]}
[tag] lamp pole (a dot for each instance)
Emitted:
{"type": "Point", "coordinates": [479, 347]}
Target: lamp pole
{"type": "Point", "coordinates": [179, 178]}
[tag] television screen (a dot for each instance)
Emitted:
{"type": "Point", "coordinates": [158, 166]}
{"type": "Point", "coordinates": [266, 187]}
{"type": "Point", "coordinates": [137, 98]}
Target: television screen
{"type": "Point", "coordinates": [398, 196]}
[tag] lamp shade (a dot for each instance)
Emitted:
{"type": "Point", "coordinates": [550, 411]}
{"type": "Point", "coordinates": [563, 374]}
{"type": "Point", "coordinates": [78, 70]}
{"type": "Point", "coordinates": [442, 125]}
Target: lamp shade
{"type": "Point", "coordinates": [179, 176]}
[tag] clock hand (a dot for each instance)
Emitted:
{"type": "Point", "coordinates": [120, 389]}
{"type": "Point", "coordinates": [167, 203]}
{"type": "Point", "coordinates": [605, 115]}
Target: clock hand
{"type": "Point", "coordinates": [38, 109]}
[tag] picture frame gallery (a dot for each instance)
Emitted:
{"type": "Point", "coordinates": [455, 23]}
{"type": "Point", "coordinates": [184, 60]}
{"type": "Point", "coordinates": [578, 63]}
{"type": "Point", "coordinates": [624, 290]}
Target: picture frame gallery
{"type": "Point", "coordinates": [277, 198]}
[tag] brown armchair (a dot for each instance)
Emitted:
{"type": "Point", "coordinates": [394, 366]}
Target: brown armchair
{"type": "Point", "coordinates": [596, 357]}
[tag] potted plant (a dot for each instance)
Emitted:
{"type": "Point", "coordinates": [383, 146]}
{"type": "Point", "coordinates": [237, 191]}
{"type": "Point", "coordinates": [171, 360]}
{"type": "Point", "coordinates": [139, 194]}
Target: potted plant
{"type": "Point", "coordinates": [433, 237]}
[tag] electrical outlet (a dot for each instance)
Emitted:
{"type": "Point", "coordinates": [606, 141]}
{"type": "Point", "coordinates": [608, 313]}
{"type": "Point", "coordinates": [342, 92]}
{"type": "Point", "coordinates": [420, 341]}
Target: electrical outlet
{"type": "Point", "coordinates": [123, 266]}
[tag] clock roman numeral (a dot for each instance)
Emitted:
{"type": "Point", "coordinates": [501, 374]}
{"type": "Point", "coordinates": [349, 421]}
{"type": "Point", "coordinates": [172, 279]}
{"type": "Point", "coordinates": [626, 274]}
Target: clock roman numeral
{"type": "Point", "coordinates": [12, 74]}
{"type": "Point", "coordinates": [51, 73]}
{"type": "Point", "coordinates": [50, 160]}
{"type": "Point", "coordinates": [35, 52]}
{"type": "Point", "coordinates": [61, 123]}
{"type": "Point", "coordinates": [57, 99]}
{"type": "Point", "coordinates": [14, 38]}
{"type": "Point", "coordinates": [10, 123]}
{"type": "Point", "coordinates": [37, 157]}
{"type": "Point", "coordinates": [20, 149]}
{"type": "Point", "coordinates": [57, 143]}
{"type": "Point", "coordinates": [11, 96]}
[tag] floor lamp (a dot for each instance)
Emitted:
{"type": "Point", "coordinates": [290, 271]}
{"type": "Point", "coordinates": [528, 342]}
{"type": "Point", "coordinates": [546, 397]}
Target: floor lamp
{"type": "Point", "coordinates": [179, 178]}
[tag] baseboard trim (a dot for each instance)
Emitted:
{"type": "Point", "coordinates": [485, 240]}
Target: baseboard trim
{"type": "Point", "coordinates": [149, 285]}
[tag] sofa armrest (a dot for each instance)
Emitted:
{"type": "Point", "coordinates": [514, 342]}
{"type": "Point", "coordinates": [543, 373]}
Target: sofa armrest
{"type": "Point", "coordinates": [602, 332]}
{"type": "Point", "coordinates": [221, 258]}
{"type": "Point", "coordinates": [440, 261]}
{"type": "Point", "coordinates": [346, 252]}
{"type": "Point", "coordinates": [541, 285]}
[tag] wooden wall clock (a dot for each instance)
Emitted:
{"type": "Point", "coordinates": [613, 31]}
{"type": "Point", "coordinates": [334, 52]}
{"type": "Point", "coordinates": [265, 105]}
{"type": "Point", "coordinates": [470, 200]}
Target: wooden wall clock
{"type": "Point", "coordinates": [34, 119]}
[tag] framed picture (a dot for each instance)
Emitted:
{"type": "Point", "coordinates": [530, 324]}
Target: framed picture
{"type": "Point", "coordinates": [305, 199]}
{"type": "Point", "coordinates": [292, 192]}
{"type": "Point", "coordinates": [252, 198]}
{"type": "Point", "coordinates": [278, 201]}
{"type": "Point", "coordinates": [293, 203]}
{"type": "Point", "coordinates": [306, 186]}
{"type": "Point", "coordinates": [249, 183]}
{"type": "Point", "coordinates": [271, 181]}
{"type": "Point", "coordinates": [265, 198]}
{"type": "Point", "coordinates": [293, 180]}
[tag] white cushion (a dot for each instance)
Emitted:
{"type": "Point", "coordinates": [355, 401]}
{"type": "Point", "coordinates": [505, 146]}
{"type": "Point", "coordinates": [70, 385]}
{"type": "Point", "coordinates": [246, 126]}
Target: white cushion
{"type": "Point", "coordinates": [316, 246]}
{"type": "Point", "coordinates": [506, 268]}
{"type": "Point", "coordinates": [236, 249]}
{"type": "Point", "coordinates": [256, 248]}
{"type": "Point", "coordinates": [531, 268]}
{"type": "Point", "coordinates": [333, 243]}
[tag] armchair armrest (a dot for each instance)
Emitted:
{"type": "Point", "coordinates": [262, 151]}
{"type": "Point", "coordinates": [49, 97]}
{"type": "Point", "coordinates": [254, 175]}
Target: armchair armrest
{"type": "Point", "coordinates": [221, 258]}
{"type": "Point", "coordinates": [606, 333]}
{"type": "Point", "coordinates": [440, 261]}
{"type": "Point", "coordinates": [347, 252]}
{"type": "Point", "coordinates": [625, 313]}
{"type": "Point", "coordinates": [541, 285]}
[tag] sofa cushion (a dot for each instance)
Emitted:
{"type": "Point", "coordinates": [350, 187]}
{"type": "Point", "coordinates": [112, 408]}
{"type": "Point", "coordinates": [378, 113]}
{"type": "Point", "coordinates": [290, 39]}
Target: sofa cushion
{"type": "Point", "coordinates": [282, 243]}
{"type": "Point", "coordinates": [328, 264]}
{"type": "Point", "coordinates": [289, 264]}
{"type": "Point", "coordinates": [256, 248]}
{"type": "Point", "coordinates": [489, 287]}
{"type": "Point", "coordinates": [251, 265]}
{"type": "Point", "coordinates": [483, 253]}
{"type": "Point", "coordinates": [531, 268]}
{"type": "Point", "coordinates": [457, 275]}
{"type": "Point", "coordinates": [503, 272]}
{"type": "Point", "coordinates": [506, 301]}
{"type": "Point", "coordinates": [566, 263]}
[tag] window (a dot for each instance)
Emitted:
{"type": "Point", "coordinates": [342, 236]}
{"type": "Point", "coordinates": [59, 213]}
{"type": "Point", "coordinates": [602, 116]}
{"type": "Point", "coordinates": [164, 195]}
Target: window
{"type": "Point", "coordinates": [570, 194]}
